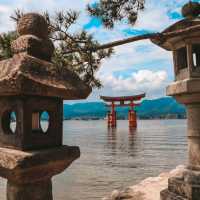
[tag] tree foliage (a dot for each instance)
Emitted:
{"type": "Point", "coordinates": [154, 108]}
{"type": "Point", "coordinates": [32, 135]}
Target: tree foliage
{"type": "Point", "coordinates": [111, 11]}
{"type": "Point", "coordinates": [73, 50]}
{"type": "Point", "coordinates": [78, 51]}
{"type": "Point", "coordinates": [5, 44]}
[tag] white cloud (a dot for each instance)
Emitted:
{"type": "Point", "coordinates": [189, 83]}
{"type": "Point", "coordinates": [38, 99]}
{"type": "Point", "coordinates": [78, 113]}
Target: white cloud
{"type": "Point", "coordinates": [141, 81]}
{"type": "Point", "coordinates": [154, 17]}
{"type": "Point", "coordinates": [138, 56]}
{"type": "Point", "coordinates": [153, 83]}
{"type": "Point", "coordinates": [6, 10]}
{"type": "Point", "coordinates": [128, 56]}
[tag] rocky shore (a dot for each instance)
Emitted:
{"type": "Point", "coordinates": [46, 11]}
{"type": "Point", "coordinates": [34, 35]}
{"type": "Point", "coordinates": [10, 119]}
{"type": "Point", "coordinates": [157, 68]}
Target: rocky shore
{"type": "Point", "coordinates": [148, 189]}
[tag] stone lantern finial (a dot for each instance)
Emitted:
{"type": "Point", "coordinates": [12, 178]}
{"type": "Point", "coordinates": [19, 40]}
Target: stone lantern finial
{"type": "Point", "coordinates": [191, 10]}
{"type": "Point", "coordinates": [33, 24]}
{"type": "Point", "coordinates": [33, 37]}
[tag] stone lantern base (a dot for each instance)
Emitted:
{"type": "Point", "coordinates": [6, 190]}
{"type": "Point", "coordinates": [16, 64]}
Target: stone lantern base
{"type": "Point", "coordinates": [185, 187]}
{"type": "Point", "coordinates": [29, 173]}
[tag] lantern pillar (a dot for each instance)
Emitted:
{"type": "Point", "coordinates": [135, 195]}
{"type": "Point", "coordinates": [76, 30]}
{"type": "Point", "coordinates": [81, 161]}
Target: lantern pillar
{"type": "Point", "coordinates": [186, 90]}
{"type": "Point", "coordinates": [29, 173]}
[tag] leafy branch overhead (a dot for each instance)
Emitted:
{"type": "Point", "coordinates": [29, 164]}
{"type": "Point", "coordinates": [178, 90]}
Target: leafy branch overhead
{"type": "Point", "coordinates": [111, 11]}
{"type": "Point", "coordinates": [79, 51]}
{"type": "Point", "coordinates": [5, 44]}
{"type": "Point", "coordinates": [73, 50]}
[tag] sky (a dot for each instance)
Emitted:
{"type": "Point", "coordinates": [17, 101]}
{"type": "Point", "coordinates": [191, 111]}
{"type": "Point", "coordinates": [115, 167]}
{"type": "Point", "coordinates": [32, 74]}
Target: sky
{"type": "Point", "coordinates": [135, 67]}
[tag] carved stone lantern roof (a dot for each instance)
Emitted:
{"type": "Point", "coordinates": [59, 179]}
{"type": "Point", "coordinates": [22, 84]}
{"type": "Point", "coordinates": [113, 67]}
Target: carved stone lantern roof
{"type": "Point", "coordinates": [191, 12]}
{"type": "Point", "coordinates": [31, 72]}
{"type": "Point", "coordinates": [183, 39]}
{"type": "Point", "coordinates": [171, 43]}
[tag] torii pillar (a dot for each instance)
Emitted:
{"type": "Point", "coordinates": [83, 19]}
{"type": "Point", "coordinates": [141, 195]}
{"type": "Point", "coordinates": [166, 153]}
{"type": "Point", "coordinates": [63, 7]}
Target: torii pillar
{"type": "Point", "coordinates": [132, 116]}
{"type": "Point", "coordinates": [112, 117]}
{"type": "Point", "coordinates": [121, 102]}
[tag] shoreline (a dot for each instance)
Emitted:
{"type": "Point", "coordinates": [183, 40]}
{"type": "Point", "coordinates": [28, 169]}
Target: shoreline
{"type": "Point", "coordinates": [148, 189]}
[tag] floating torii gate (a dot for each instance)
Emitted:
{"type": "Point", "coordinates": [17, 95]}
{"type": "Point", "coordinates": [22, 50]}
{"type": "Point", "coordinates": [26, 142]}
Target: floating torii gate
{"type": "Point", "coordinates": [113, 102]}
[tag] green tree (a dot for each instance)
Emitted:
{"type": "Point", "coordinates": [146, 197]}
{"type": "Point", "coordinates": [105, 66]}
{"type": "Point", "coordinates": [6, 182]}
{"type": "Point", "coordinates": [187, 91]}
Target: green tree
{"type": "Point", "coordinates": [73, 50]}
{"type": "Point", "coordinates": [5, 44]}
{"type": "Point", "coordinates": [111, 11]}
{"type": "Point", "coordinates": [79, 51]}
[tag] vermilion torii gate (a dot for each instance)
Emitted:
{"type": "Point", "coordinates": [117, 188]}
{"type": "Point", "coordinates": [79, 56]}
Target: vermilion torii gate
{"type": "Point", "coordinates": [113, 102]}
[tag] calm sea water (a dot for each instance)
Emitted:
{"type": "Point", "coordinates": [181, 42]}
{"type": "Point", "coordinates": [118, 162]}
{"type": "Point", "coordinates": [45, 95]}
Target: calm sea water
{"type": "Point", "coordinates": [114, 159]}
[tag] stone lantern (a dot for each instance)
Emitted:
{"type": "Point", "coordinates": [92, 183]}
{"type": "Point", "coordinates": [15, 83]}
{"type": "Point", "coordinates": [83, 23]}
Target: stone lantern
{"type": "Point", "coordinates": [186, 89]}
{"type": "Point", "coordinates": [31, 90]}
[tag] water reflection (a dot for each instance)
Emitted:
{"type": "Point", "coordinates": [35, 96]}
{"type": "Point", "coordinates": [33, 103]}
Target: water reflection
{"type": "Point", "coordinates": [112, 133]}
{"type": "Point", "coordinates": [132, 131]}
{"type": "Point", "coordinates": [132, 137]}
{"type": "Point", "coordinates": [115, 158]}
{"type": "Point", "coordinates": [112, 139]}
{"type": "Point", "coordinates": [121, 141]}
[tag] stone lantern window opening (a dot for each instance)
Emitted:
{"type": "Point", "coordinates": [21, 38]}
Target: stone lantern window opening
{"type": "Point", "coordinates": [13, 122]}
{"type": "Point", "coordinates": [9, 122]}
{"type": "Point", "coordinates": [35, 121]}
{"type": "Point", "coordinates": [187, 61]}
{"type": "Point", "coordinates": [181, 58]}
{"type": "Point", "coordinates": [196, 56]}
{"type": "Point", "coordinates": [40, 121]}
{"type": "Point", "coordinates": [44, 121]}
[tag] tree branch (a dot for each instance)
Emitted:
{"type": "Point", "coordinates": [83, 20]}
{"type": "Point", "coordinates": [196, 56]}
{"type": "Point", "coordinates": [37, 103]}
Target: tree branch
{"type": "Point", "coordinates": [148, 36]}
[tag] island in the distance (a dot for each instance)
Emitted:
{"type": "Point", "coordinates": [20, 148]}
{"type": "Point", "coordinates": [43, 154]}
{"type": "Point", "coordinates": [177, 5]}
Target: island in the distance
{"type": "Point", "coordinates": [162, 108]}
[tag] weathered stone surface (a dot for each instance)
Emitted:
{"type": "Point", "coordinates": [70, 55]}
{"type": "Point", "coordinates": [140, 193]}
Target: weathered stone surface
{"type": "Point", "coordinates": [34, 46]}
{"type": "Point", "coordinates": [33, 24]}
{"type": "Point", "coordinates": [34, 191]}
{"type": "Point", "coordinates": [182, 188]}
{"type": "Point", "coordinates": [166, 195]}
{"type": "Point", "coordinates": [32, 89]}
{"type": "Point", "coordinates": [191, 176]}
{"type": "Point", "coordinates": [25, 136]}
{"type": "Point", "coordinates": [178, 41]}
{"type": "Point", "coordinates": [28, 167]}
{"type": "Point", "coordinates": [191, 9]}
{"type": "Point", "coordinates": [186, 90]}
{"type": "Point", "coordinates": [148, 189]}
{"type": "Point", "coordinates": [189, 87]}
{"type": "Point", "coordinates": [188, 185]}
{"type": "Point", "coordinates": [29, 73]}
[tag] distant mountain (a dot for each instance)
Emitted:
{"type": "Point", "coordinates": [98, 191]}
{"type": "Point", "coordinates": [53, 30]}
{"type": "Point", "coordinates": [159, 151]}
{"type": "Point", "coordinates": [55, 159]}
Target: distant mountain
{"type": "Point", "coordinates": [166, 107]}
{"type": "Point", "coordinates": [163, 107]}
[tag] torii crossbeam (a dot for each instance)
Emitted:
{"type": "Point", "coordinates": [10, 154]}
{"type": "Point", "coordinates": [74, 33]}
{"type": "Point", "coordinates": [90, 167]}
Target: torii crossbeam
{"type": "Point", "coordinates": [120, 102]}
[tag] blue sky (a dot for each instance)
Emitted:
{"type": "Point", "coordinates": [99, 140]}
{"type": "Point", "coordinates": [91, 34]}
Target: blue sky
{"type": "Point", "coordinates": [134, 68]}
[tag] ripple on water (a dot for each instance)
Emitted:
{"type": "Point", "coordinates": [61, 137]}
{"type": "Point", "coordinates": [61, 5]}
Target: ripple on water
{"type": "Point", "coordinates": [114, 159]}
